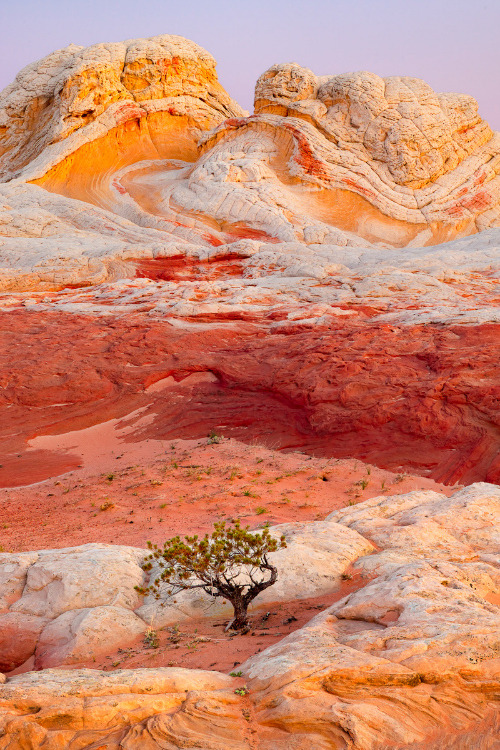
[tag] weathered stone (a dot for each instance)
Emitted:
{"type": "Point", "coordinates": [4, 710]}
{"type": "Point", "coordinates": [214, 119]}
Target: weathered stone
{"type": "Point", "coordinates": [154, 95]}
{"type": "Point", "coordinates": [19, 635]}
{"type": "Point", "coordinates": [80, 577]}
{"type": "Point", "coordinates": [386, 663]}
{"type": "Point", "coordinates": [82, 634]}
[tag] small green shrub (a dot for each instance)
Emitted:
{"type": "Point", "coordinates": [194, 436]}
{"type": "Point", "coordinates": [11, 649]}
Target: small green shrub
{"type": "Point", "coordinates": [214, 438]}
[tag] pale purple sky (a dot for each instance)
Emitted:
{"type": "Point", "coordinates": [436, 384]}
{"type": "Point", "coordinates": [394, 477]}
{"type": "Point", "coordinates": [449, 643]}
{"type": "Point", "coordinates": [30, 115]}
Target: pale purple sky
{"type": "Point", "coordinates": [452, 44]}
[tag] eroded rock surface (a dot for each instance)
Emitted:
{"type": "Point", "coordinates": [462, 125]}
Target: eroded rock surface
{"type": "Point", "coordinates": [280, 275]}
{"type": "Point", "coordinates": [307, 231]}
{"type": "Point", "coordinates": [414, 655]}
{"type": "Point", "coordinates": [151, 96]}
{"type": "Point", "coordinates": [73, 604]}
{"type": "Point", "coordinates": [89, 708]}
{"type": "Point", "coordinates": [336, 381]}
{"type": "Point", "coordinates": [143, 130]}
{"type": "Point", "coordinates": [410, 659]}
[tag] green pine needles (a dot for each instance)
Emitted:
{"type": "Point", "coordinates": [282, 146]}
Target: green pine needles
{"type": "Point", "coordinates": [231, 563]}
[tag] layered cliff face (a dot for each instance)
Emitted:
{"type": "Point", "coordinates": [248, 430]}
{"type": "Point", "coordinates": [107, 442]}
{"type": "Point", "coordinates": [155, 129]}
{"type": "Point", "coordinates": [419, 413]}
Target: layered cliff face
{"type": "Point", "coordinates": [402, 140]}
{"type": "Point", "coordinates": [305, 230]}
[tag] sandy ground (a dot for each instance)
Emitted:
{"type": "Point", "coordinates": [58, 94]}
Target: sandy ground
{"type": "Point", "coordinates": [204, 643]}
{"type": "Point", "coordinates": [131, 492]}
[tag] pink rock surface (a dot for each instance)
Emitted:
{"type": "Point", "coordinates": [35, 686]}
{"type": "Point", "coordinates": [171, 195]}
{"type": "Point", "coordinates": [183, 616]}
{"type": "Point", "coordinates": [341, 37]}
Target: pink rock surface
{"type": "Point", "coordinates": [19, 635]}
{"type": "Point", "coordinates": [423, 398]}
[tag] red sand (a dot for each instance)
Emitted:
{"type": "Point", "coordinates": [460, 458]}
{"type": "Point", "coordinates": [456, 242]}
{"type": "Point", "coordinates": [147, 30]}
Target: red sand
{"type": "Point", "coordinates": [128, 493]}
{"type": "Point", "coordinates": [204, 644]}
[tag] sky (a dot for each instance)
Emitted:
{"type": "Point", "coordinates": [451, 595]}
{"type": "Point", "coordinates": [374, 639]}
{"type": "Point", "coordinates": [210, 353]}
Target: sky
{"type": "Point", "coordinates": [454, 45]}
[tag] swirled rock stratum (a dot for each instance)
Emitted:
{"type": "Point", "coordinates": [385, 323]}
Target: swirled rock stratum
{"type": "Point", "coordinates": [135, 189]}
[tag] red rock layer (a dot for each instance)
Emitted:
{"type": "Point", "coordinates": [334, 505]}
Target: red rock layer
{"type": "Point", "coordinates": [182, 267]}
{"type": "Point", "coordinates": [423, 398]}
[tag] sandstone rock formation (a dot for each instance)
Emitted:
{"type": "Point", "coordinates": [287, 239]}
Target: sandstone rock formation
{"type": "Point", "coordinates": [80, 110]}
{"type": "Point", "coordinates": [63, 604]}
{"type": "Point", "coordinates": [318, 214]}
{"type": "Point", "coordinates": [66, 606]}
{"type": "Point", "coordinates": [142, 129]}
{"type": "Point", "coordinates": [391, 141]}
{"type": "Point", "coordinates": [280, 365]}
{"type": "Point", "coordinates": [168, 261]}
{"type": "Point", "coordinates": [411, 659]}
{"type": "Point", "coordinates": [88, 709]}
{"type": "Point", "coordinates": [421, 636]}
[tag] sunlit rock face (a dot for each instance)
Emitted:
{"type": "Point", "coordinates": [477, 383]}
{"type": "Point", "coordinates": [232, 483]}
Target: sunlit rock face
{"type": "Point", "coordinates": [137, 193]}
{"type": "Point", "coordinates": [425, 163]}
{"type": "Point", "coordinates": [143, 129]}
{"type": "Point", "coordinates": [409, 133]}
{"type": "Point", "coordinates": [409, 660]}
{"type": "Point", "coordinates": [108, 105]}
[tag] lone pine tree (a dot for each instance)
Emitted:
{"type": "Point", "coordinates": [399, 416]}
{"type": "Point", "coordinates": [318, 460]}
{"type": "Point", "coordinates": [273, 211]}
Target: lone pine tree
{"type": "Point", "coordinates": [231, 563]}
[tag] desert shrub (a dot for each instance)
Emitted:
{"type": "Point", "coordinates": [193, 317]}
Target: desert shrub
{"type": "Point", "coordinates": [213, 438]}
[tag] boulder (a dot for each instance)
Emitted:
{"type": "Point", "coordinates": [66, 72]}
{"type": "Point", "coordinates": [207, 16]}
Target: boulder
{"type": "Point", "coordinates": [81, 577]}
{"type": "Point", "coordinates": [82, 634]}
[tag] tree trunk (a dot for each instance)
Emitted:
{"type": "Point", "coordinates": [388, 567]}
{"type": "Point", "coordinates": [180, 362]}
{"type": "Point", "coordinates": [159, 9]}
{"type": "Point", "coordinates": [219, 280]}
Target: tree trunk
{"type": "Point", "coordinates": [240, 619]}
